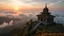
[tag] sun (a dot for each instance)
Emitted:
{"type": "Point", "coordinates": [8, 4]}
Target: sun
{"type": "Point", "coordinates": [16, 8]}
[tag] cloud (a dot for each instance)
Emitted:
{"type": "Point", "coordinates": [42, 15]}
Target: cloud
{"type": "Point", "coordinates": [31, 2]}
{"type": "Point", "coordinates": [18, 20]}
{"type": "Point", "coordinates": [55, 3]}
{"type": "Point", "coordinates": [4, 24]}
{"type": "Point", "coordinates": [11, 12]}
{"type": "Point", "coordinates": [59, 16]}
{"type": "Point", "coordinates": [5, 1]}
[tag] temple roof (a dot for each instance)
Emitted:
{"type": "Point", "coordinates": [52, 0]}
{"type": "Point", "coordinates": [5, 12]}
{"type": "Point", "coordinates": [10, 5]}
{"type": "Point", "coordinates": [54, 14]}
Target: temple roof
{"type": "Point", "coordinates": [45, 10]}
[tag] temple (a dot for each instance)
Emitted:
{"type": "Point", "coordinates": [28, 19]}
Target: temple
{"type": "Point", "coordinates": [45, 16]}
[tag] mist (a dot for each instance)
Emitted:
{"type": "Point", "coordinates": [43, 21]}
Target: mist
{"type": "Point", "coordinates": [59, 16]}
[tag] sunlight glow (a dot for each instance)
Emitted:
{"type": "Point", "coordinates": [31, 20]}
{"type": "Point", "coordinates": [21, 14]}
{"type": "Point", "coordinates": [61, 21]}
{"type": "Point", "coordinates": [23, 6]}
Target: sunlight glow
{"type": "Point", "coordinates": [16, 8]}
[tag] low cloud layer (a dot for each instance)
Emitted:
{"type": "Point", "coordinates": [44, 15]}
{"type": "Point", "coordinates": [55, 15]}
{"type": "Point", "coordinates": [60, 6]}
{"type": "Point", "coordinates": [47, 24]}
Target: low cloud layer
{"type": "Point", "coordinates": [59, 16]}
{"type": "Point", "coordinates": [26, 16]}
{"type": "Point", "coordinates": [11, 22]}
{"type": "Point", "coordinates": [4, 24]}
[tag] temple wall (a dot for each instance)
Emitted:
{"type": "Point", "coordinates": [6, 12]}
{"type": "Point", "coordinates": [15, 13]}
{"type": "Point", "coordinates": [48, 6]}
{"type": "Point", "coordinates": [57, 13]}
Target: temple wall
{"type": "Point", "coordinates": [52, 34]}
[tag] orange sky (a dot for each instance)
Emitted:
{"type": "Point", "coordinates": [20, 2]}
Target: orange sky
{"type": "Point", "coordinates": [9, 7]}
{"type": "Point", "coordinates": [31, 4]}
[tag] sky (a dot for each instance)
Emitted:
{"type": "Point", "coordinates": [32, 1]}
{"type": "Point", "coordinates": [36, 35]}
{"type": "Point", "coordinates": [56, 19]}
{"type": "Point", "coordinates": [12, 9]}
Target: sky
{"type": "Point", "coordinates": [31, 4]}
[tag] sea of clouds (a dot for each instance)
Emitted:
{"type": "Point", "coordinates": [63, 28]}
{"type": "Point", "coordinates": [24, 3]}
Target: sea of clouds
{"type": "Point", "coordinates": [31, 15]}
{"type": "Point", "coordinates": [23, 19]}
{"type": "Point", "coordinates": [59, 16]}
